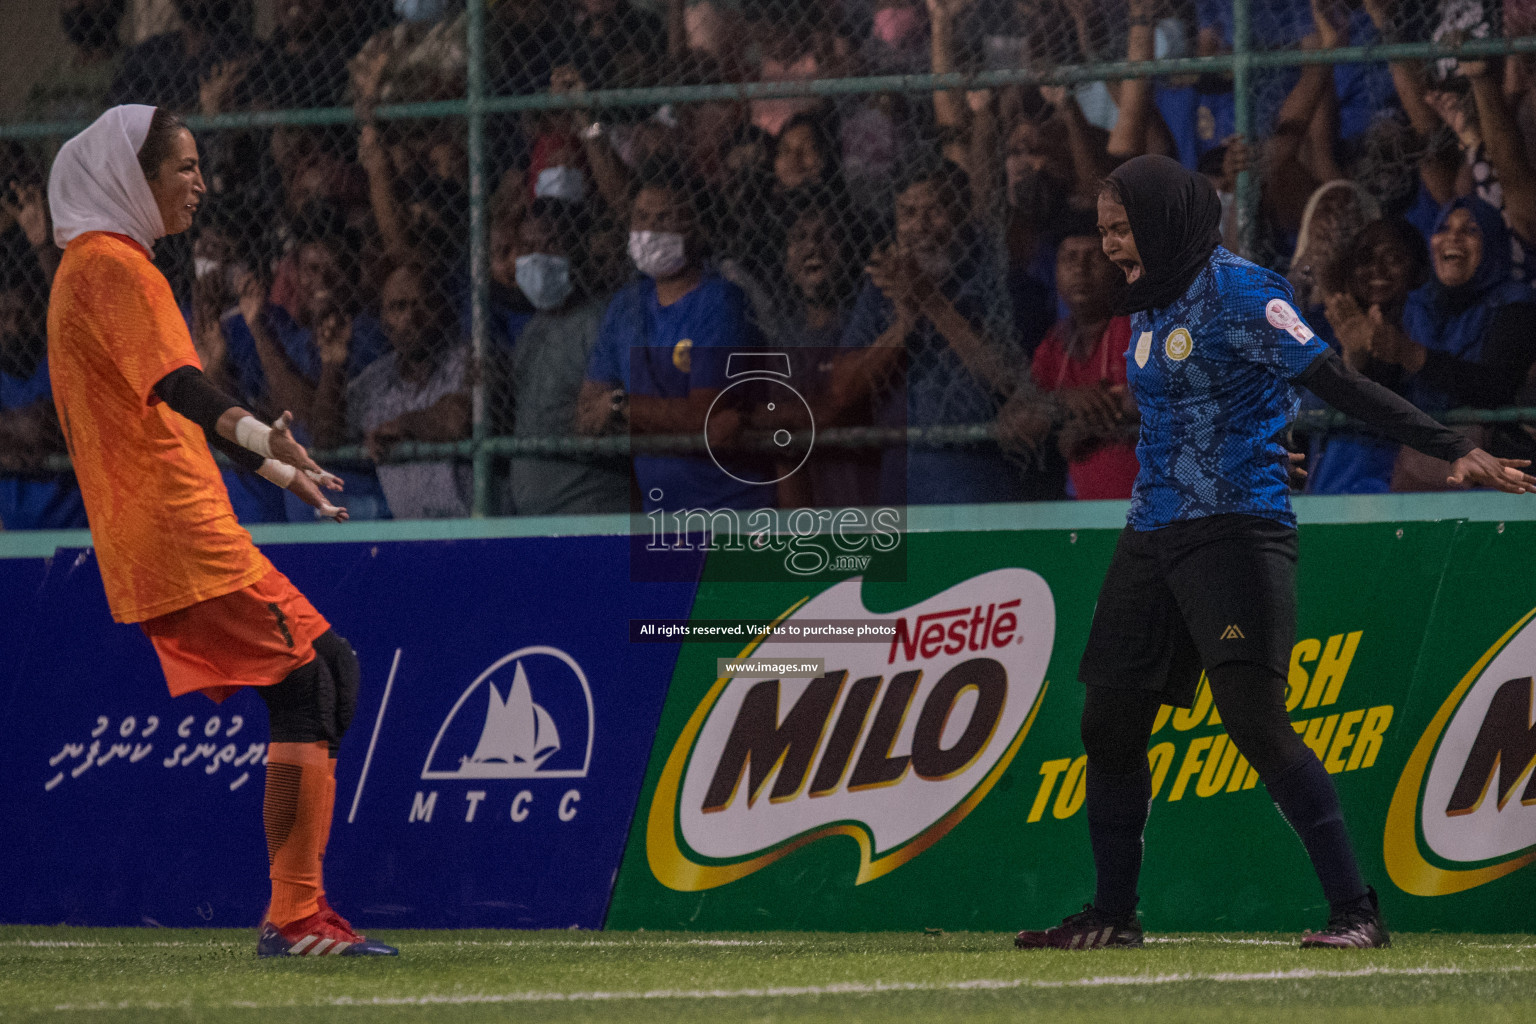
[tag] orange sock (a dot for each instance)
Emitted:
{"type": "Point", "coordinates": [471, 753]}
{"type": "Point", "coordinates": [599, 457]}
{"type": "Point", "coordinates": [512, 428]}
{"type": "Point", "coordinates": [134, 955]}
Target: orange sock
{"type": "Point", "coordinates": [297, 815]}
{"type": "Point", "coordinates": [330, 808]}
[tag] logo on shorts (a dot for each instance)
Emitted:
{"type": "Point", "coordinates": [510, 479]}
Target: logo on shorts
{"type": "Point", "coordinates": [1283, 317]}
{"type": "Point", "coordinates": [1232, 633]}
{"type": "Point", "coordinates": [282, 622]}
{"type": "Point", "coordinates": [1468, 789]}
{"type": "Point", "coordinates": [537, 722]}
{"type": "Point", "coordinates": [1179, 344]}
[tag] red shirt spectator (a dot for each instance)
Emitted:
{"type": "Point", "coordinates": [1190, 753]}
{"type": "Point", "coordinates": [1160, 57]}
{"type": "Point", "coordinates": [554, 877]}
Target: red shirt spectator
{"type": "Point", "coordinates": [1100, 469]}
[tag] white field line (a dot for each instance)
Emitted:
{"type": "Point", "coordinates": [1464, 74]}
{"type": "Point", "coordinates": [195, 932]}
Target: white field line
{"type": "Point", "coordinates": [585, 943]}
{"type": "Point", "coordinates": [556, 944]}
{"type": "Point", "coordinates": [1186, 940]}
{"type": "Point", "coordinates": [839, 989]}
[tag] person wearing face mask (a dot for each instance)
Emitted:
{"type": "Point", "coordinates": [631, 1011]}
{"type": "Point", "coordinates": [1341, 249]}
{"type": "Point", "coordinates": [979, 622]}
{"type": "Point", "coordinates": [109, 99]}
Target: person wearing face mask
{"type": "Point", "coordinates": [918, 341]}
{"type": "Point", "coordinates": [660, 358]}
{"type": "Point", "coordinates": [1468, 336]}
{"type": "Point", "coordinates": [1041, 181]}
{"type": "Point", "coordinates": [534, 385]}
{"type": "Point", "coordinates": [510, 309]}
{"type": "Point", "coordinates": [76, 87]}
{"type": "Point", "coordinates": [30, 497]}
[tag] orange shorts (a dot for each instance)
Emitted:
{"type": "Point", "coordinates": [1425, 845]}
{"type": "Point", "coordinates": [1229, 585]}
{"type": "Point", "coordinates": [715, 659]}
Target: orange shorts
{"type": "Point", "coordinates": [252, 637]}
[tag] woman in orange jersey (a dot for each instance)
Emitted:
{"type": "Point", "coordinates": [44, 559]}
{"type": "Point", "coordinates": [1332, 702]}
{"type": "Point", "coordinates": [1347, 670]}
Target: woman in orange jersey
{"type": "Point", "coordinates": [139, 418]}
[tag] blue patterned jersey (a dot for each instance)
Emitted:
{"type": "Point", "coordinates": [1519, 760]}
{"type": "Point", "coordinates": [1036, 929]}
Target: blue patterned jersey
{"type": "Point", "coordinates": [1212, 376]}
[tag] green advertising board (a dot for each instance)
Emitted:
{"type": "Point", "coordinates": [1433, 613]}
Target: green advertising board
{"type": "Point", "coordinates": [934, 778]}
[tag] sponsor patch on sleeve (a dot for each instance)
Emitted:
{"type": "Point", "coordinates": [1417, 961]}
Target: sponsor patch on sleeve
{"type": "Point", "coordinates": [1282, 316]}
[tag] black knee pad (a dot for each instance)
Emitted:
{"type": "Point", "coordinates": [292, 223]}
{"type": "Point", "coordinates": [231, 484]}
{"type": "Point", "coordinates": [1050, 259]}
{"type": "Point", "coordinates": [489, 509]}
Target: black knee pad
{"type": "Point", "coordinates": [346, 674]}
{"type": "Point", "coordinates": [316, 701]}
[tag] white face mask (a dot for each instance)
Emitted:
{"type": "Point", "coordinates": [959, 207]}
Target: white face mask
{"type": "Point", "coordinates": [658, 254]}
{"type": "Point", "coordinates": [563, 182]}
{"type": "Point", "coordinates": [544, 278]}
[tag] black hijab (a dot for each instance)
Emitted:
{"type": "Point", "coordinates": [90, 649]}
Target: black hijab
{"type": "Point", "coordinates": [1176, 220]}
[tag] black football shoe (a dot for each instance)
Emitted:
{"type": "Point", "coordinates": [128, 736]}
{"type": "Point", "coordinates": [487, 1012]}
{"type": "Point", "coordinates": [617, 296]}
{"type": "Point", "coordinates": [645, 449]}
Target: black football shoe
{"type": "Point", "coordinates": [1355, 928]}
{"type": "Point", "coordinates": [1089, 929]}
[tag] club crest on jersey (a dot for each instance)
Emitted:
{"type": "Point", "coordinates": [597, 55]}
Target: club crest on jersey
{"type": "Point", "coordinates": [1282, 316]}
{"type": "Point", "coordinates": [1143, 348]}
{"type": "Point", "coordinates": [1179, 344]}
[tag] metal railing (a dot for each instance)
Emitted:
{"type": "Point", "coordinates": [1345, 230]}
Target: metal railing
{"type": "Point", "coordinates": [482, 448]}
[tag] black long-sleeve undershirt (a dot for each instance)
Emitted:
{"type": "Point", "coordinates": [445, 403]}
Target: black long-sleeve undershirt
{"type": "Point", "coordinates": [1356, 395]}
{"type": "Point", "coordinates": [188, 393]}
{"type": "Point", "coordinates": [1509, 349]}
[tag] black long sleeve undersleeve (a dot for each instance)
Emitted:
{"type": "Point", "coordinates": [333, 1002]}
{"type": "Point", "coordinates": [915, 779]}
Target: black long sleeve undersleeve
{"type": "Point", "coordinates": [1509, 349]}
{"type": "Point", "coordinates": [1355, 395]}
{"type": "Point", "coordinates": [188, 393]}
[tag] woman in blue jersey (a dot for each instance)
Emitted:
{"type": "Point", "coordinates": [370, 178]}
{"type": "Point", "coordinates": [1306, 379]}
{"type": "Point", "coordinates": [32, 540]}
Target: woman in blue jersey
{"type": "Point", "coordinates": [1204, 573]}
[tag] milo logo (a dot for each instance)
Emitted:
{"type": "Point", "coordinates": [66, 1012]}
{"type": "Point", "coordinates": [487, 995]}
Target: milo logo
{"type": "Point", "coordinates": [1469, 788]}
{"type": "Point", "coordinates": [891, 747]}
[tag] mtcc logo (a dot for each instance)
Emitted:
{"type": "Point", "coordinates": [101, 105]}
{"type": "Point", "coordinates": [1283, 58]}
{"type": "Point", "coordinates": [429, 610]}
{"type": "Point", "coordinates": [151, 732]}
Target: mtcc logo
{"type": "Point", "coordinates": [1469, 784]}
{"type": "Point", "coordinates": [528, 716]}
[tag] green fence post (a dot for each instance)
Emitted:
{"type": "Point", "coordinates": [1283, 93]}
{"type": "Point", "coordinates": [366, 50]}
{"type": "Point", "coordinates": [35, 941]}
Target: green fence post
{"type": "Point", "coordinates": [1242, 101]}
{"type": "Point", "coordinates": [479, 255]}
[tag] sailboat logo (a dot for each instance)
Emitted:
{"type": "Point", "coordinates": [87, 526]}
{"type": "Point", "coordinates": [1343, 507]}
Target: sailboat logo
{"type": "Point", "coordinates": [519, 737]}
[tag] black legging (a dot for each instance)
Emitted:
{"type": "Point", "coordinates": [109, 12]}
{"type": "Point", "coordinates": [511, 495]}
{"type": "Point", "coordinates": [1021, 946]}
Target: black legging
{"type": "Point", "coordinates": [1117, 724]}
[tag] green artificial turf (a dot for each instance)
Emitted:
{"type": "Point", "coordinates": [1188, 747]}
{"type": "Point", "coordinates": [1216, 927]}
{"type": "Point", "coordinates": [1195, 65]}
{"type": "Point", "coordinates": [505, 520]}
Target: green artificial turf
{"type": "Point", "coordinates": [213, 975]}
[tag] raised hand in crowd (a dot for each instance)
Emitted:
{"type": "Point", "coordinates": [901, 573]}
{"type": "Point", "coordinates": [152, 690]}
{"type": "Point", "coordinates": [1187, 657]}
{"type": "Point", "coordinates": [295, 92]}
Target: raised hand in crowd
{"type": "Point", "coordinates": [333, 339]}
{"type": "Point", "coordinates": [900, 280]}
{"type": "Point", "coordinates": [219, 85]}
{"type": "Point", "coordinates": [944, 17]}
{"type": "Point", "coordinates": [1505, 146]}
{"type": "Point", "coordinates": [1353, 326]}
{"type": "Point", "coordinates": [609, 173]}
{"type": "Point", "coordinates": [333, 343]}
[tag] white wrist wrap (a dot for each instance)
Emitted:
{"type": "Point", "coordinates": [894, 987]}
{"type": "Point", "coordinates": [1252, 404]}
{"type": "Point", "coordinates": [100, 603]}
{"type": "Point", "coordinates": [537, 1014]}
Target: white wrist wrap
{"type": "Point", "coordinates": [253, 434]}
{"type": "Point", "coordinates": [279, 473]}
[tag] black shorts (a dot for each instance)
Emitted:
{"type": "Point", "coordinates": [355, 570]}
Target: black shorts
{"type": "Point", "coordinates": [1193, 595]}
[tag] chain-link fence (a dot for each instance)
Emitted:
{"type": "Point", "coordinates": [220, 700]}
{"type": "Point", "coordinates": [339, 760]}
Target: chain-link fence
{"type": "Point", "coordinates": [498, 258]}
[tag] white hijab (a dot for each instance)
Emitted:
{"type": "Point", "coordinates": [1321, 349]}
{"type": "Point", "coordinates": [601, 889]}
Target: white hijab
{"type": "Point", "coordinates": [97, 184]}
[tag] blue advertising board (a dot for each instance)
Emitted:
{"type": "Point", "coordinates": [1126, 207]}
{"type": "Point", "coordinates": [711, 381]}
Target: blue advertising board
{"type": "Point", "coordinates": [488, 779]}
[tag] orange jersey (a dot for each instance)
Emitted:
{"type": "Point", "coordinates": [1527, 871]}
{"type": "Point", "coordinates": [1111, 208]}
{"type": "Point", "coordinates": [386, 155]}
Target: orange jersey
{"type": "Point", "coordinates": [161, 521]}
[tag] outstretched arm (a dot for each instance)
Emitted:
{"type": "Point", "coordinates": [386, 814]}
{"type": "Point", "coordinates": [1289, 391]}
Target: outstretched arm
{"type": "Point", "coordinates": [270, 451]}
{"type": "Point", "coordinates": [1354, 395]}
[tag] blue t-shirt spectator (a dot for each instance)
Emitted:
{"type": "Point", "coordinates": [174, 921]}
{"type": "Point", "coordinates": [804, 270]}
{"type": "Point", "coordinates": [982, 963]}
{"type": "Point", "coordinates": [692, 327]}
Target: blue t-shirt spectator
{"type": "Point", "coordinates": [1198, 121]}
{"type": "Point", "coordinates": [668, 352]}
{"type": "Point", "coordinates": [36, 502]}
{"type": "Point", "coordinates": [1363, 90]}
{"type": "Point", "coordinates": [939, 390]}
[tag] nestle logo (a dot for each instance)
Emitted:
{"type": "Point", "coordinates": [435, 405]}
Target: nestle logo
{"type": "Point", "coordinates": [975, 628]}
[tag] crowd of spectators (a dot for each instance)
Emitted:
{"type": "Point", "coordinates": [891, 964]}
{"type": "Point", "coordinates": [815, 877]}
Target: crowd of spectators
{"type": "Point", "coordinates": [924, 260]}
